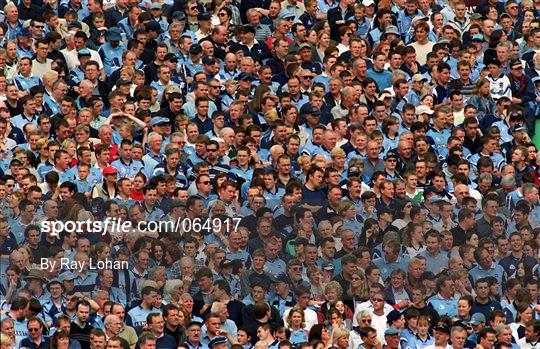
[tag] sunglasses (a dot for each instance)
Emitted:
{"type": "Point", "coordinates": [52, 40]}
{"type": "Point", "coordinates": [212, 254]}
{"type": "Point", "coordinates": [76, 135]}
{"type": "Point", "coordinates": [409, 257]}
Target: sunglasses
{"type": "Point", "coordinates": [206, 182]}
{"type": "Point", "coordinates": [377, 300]}
{"type": "Point", "coordinates": [33, 330]}
{"type": "Point", "coordinates": [211, 150]}
{"type": "Point", "coordinates": [221, 14]}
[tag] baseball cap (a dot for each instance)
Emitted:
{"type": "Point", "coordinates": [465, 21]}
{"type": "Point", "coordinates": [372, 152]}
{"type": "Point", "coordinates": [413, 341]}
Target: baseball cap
{"type": "Point", "coordinates": [518, 128]}
{"type": "Point", "coordinates": [476, 15]}
{"type": "Point", "coordinates": [195, 49]}
{"type": "Point", "coordinates": [391, 29]}
{"type": "Point", "coordinates": [154, 26]}
{"type": "Point", "coordinates": [109, 170]}
{"type": "Point", "coordinates": [114, 34]}
{"type": "Point", "coordinates": [170, 57]}
{"type": "Point", "coordinates": [84, 52]}
{"type": "Point", "coordinates": [516, 63]}
{"type": "Point", "coordinates": [304, 45]}
{"type": "Point", "coordinates": [391, 331]}
{"type": "Point", "coordinates": [423, 109]}
{"type": "Point", "coordinates": [393, 316]}
{"type": "Point", "coordinates": [367, 3]}
{"type": "Point", "coordinates": [216, 341]}
{"type": "Point", "coordinates": [245, 77]}
{"type": "Point", "coordinates": [442, 327]}
{"type": "Point", "coordinates": [24, 32]}
{"type": "Point", "coordinates": [286, 15]}
{"type": "Point", "coordinates": [121, 81]}
{"type": "Point", "coordinates": [310, 109]}
{"type": "Point", "coordinates": [156, 6]}
{"type": "Point", "coordinates": [209, 60]}
{"type": "Point", "coordinates": [248, 28]}
{"type": "Point", "coordinates": [179, 15]}
{"type": "Point", "coordinates": [204, 16]}
{"type": "Point", "coordinates": [226, 263]}
{"type": "Point", "coordinates": [159, 121]}
{"type": "Point", "coordinates": [418, 77]}
{"type": "Point", "coordinates": [478, 37]}
{"type": "Point", "coordinates": [477, 319]}
{"type": "Point", "coordinates": [300, 241]}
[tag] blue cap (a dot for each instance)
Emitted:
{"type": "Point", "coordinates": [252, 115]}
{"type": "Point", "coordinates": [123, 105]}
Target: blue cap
{"type": "Point", "coordinates": [391, 331]}
{"type": "Point", "coordinates": [155, 5]}
{"type": "Point", "coordinates": [478, 37]}
{"type": "Point", "coordinates": [24, 32]}
{"type": "Point", "coordinates": [217, 340]}
{"type": "Point", "coordinates": [286, 15]}
{"type": "Point", "coordinates": [477, 319]}
{"type": "Point", "coordinates": [114, 34]}
{"type": "Point", "coordinates": [84, 52]}
{"type": "Point", "coordinates": [204, 16]}
{"type": "Point", "coordinates": [67, 276]}
{"type": "Point", "coordinates": [154, 26]}
{"type": "Point", "coordinates": [159, 121]}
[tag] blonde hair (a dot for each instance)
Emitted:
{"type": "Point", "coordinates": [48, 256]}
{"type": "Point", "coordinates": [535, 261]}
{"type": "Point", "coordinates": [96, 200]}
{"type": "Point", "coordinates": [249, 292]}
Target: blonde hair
{"type": "Point", "coordinates": [299, 311]}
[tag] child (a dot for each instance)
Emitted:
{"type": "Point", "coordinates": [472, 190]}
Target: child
{"type": "Point", "coordinates": [423, 339]}
{"type": "Point", "coordinates": [82, 184]}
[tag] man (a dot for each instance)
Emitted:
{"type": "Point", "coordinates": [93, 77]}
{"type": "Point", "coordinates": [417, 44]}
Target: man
{"type": "Point", "coordinates": [483, 304]}
{"type": "Point", "coordinates": [193, 334]}
{"type": "Point", "coordinates": [486, 267]}
{"type": "Point", "coordinates": [147, 341]}
{"type": "Point", "coordinates": [80, 328]}
{"type": "Point", "coordinates": [444, 302]}
{"type": "Point", "coordinates": [35, 338]}
{"type": "Point", "coordinates": [156, 324]}
{"type": "Point", "coordinates": [41, 64]}
{"type": "Point", "coordinates": [138, 316]}
{"type": "Point", "coordinates": [532, 335]}
{"type": "Point", "coordinates": [382, 77]}
{"type": "Point", "coordinates": [487, 337]}
{"type": "Point", "coordinates": [436, 261]}
{"type": "Point", "coordinates": [303, 296]}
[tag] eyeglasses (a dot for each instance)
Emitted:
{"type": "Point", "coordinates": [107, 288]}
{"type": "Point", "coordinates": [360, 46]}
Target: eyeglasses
{"type": "Point", "coordinates": [221, 14]}
{"type": "Point", "coordinates": [366, 321]}
{"type": "Point", "coordinates": [33, 330]}
{"type": "Point", "coordinates": [391, 160]}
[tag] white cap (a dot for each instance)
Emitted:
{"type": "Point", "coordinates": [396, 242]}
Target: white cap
{"type": "Point", "coordinates": [423, 109]}
{"type": "Point", "coordinates": [367, 3]}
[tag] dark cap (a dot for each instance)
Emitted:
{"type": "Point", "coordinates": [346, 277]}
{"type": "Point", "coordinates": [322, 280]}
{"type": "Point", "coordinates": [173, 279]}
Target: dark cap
{"type": "Point", "coordinates": [245, 77]}
{"type": "Point", "coordinates": [248, 28]}
{"type": "Point", "coordinates": [310, 109]}
{"type": "Point", "coordinates": [300, 241]}
{"type": "Point", "coordinates": [217, 340]}
{"type": "Point", "coordinates": [171, 57]}
{"type": "Point", "coordinates": [495, 61]}
{"type": "Point", "coordinates": [282, 278]}
{"type": "Point", "coordinates": [179, 15]}
{"type": "Point", "coordinates": [427, 275]}
{"type": "Point", "coordinates": [121, 81]}
{"type": "Point", "coordinates": [442, 327]}
{"type": "Point", "coordinates": [204, 16]}
{"type": "Point", "coordinates": [518, 128]}
{"type": "Point", "coordinates": [516, 63]}
{"type": "Point", "coordinates": [195, 49]}
{"type": "Point", "coordinates": [154, 26]}
{"type": "Point", "coordinates": [178, 203]}
{"type": "Point", "coordinates": [74, 25]}
{"type": "Point", "coordinates": [194, 323]}
{"type": "Point", "coordinates": [24, 32]}
{"type": "Point", "coordinates": [328, 267]}
{"type": "Point", "coordinates": [504, 15]}
{"type": "Point", "coordinates": [226, 263]}
{"type": "Point", "coordinates": [384, 209]}
{"type": "Point", "coordinates": [392, 316]}
{"type": "Point", "coordinates": [390, 155]}
{"type": "Point", "coordinates": [209, 60]}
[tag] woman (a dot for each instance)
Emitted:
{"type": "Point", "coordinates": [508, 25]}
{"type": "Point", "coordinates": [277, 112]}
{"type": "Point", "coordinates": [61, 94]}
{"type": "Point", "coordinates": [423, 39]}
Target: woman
{"type": "Point", "coordinates": [370, 236]}
{"type": "Point", "coordinates": [319, 332]}
{"type": "Point", "coordinates": [70, 146]}
{"type": "Point", "coordinates": [524, 273]}
{"type": "Point", "coordinates": [344, 33]}
{"type": "Point", "coordinates": [344, 314]}
{"type": "Point", "coordinates": [340, 338]}
{"type": "Point", "coordinates": [158, 252]}
{"type": "Point", "coordinates": [323, 43]}
{"type": "Point", "coordinates": [358, 291]}
{"type": "Point", "coordinates": [100, 251]}
{"type": "Point", "coordinates": [373, 275]}
{"type": "Point", "coordinates": [524, 314]}
{"type": "Point", "coordinates": [139, 182]}
{"type": "Point", "coordinates": [332, 293]}
{"type": "Point", "coordinates": [172, 292]}
{"type": "Point", "coordinates": [13, 275]}
{"type": "Point", "coordinates": [482, 100]}
{"type": "Point", "coordinates": [347, 211]}
{"type": "Point", "coordinates": [297, 326]}
{"type": "Point", "coordinates": [413, 239]}
{"type": "Point", "coordinates": [465, 304]}
{"type": "Point", "coordinates": [60, 340]}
